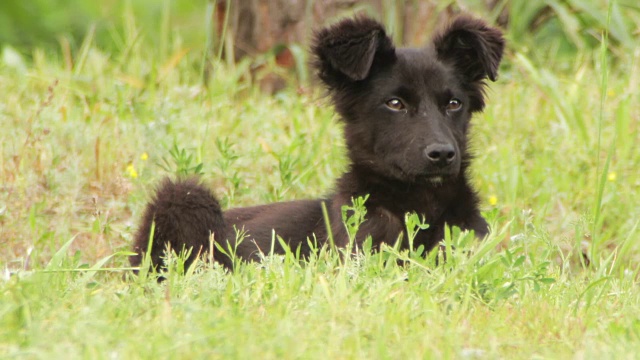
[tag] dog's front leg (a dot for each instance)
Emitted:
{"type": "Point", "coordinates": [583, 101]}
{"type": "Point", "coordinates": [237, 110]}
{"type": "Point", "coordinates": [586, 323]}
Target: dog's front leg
{"type": "Point", "coordinates": [383, 227]}
{"type": "Point", "coordinates": [479, 226]}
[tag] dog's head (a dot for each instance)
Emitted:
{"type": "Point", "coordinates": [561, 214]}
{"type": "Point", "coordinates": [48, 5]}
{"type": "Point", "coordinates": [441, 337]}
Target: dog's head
{"type": "Point", "coordinates": [407, 110]}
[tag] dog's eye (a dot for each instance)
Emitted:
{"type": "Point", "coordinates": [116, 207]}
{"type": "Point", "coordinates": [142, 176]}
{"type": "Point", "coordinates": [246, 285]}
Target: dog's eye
{"type": "Point", "coordinates": [395, 104]}
{"type": "Point", "coordinates": [454, 105]}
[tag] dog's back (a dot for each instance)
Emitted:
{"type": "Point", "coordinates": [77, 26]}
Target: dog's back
{"type": "Point", "coordinates": [293, 221]}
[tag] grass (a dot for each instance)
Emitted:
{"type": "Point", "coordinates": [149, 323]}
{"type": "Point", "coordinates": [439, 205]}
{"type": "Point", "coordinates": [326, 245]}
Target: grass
{"type": "Point", "coordinates": [84, 144]}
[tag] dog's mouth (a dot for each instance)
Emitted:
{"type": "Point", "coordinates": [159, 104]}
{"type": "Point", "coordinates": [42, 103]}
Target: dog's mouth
{"type": "Point", "coordinates": [432, 178]}
{"type": "Point", "coordinates": [440, 176]}
{"type": "Point", "coordinates": [437, 179]}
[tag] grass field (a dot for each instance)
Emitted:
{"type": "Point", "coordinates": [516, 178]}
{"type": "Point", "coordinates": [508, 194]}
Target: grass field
{"type": "Point", "coordinates": [84, 142]}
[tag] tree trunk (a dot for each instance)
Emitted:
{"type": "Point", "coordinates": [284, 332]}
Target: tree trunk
{"type": "Point", "coordinates": [256, 27]}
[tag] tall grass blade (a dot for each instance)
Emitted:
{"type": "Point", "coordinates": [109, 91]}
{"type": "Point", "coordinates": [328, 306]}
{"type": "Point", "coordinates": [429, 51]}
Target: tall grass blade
{"type": "Point", "coordinates": [208, 46]}
{"type": "Point", "coordinates": [84, 50]}
{"type": "Point", "coordinates": [223, 35]}
{"type": "Point", "coordinates": [327, 224]}
{"type": "Point", "coordinates": [93, 270]}
{"type": "Point", "coordinates": [58, 258]}
{"type": "Point", "coordinates": [601, 176]}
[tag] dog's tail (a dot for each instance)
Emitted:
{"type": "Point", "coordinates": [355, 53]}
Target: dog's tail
{"type": "Point", "coordinates": [183, 214]}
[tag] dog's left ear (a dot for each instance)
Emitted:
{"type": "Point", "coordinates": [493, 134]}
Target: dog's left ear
{"type": "Point", "coordinates": [346, 51]}
{"type": "Point", "coordinates": [472, 46]}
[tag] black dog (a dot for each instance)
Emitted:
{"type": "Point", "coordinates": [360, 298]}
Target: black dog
{"type": "Point", "coordinates": [406, 113]}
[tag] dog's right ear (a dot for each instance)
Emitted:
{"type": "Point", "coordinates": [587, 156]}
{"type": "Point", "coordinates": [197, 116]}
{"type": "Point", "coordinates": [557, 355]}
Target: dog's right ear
{"type": "Point", "coordinates": [474, 47]}
{"type": "Point", "coordinates": [347, 50]}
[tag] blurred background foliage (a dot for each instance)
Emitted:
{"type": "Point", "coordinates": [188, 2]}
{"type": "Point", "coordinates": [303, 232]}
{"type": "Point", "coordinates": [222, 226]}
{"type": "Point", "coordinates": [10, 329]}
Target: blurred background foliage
{"type": "Point", "coordinates": [554, 28]}
{"type": "Point", "coordinates": [25, 25]}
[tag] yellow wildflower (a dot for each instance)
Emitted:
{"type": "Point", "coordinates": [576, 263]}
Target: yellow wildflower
{"type": "Point", "coordinates": [144, 156]}
{"type": "Point", "coordinates": [612, 176]}
{"type": "Point", "coordinates": [132, 171]}
{"type": "Point", "coordinates": [493, 200]}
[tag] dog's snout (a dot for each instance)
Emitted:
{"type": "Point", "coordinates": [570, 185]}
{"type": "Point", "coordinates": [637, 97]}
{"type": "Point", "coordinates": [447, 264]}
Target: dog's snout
{"type": "Point", "coordinates": [440, 154]}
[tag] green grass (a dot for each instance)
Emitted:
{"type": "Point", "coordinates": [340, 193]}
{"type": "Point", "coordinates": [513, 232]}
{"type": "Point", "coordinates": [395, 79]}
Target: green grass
{"type": "Point", "coordinates": [82, 148]}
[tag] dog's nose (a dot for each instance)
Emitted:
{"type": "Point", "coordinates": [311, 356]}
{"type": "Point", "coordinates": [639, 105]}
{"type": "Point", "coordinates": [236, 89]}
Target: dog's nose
{"type": "Point", "coordinates": [440, 155]}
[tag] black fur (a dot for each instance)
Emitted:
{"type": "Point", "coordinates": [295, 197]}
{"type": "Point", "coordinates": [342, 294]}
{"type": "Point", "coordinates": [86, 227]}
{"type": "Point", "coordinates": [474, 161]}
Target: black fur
{"type": "Point", "coordinates": [406, 113]}
{"type": "Point", "coordinates": [183, 214]}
